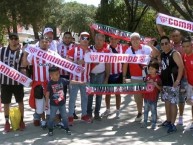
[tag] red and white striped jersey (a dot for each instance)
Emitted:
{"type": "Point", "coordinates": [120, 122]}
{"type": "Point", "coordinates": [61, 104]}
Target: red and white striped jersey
{"type": "Point", "coordinates": [62, 51]}
{"type": "Point", "coordinates": [40, 68]}
{"type": "Point", "coordinates": [116, 68]}
{"type": "Point", "coordinates": [77, 54]}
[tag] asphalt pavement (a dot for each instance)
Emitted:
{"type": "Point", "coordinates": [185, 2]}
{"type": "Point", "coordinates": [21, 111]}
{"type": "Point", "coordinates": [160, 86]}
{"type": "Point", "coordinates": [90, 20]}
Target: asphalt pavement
{"type": "Point", "coordinates": [108, 131]}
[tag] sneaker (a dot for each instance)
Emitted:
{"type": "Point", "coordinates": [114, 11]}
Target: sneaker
{"type": "Point", "coordinates": [180, 120]}
{"type": "Point", "coordinates": [67, 130]}
{"type": "Point", "coordinates": [22, 126]}
{"type": "Point", "coordinates": [144, 125]}
{"type": "Point", "coordinates": [75, 116]}
{"type": "Point", "coordinates": [172, 128]}
{"type": "Point", "coordinates": [165, 124]}
{"type": "Point", "coordinates": [97, 117]}
{"type": "Point", "coordinates": [43, 125]}
{"type": "Point", "coordinates": [117, 113]}
{"type": "Point", "coordinates": [189, 127]}
{"type": "Point", "coordinates": [50, 133]}
{"type": "Point", "coordinates": [139, 117]}
{"type": "Point", "coordinates": [106, 113]}
{"type": "Point", "coordinates": [7, 127]}
{"type": "Point", "coordinates": [153, 126]}
{"type": "Point", "coordinates": [86, 118]}
{"type": "Point", "coordinates": [70, 120]}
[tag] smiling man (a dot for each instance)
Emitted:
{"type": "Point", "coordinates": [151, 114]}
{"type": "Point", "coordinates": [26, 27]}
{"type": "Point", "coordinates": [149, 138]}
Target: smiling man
{"type": "Point", "coordinates": [171, 74]}
{"type": "Point", "coordinates": [12, 56]}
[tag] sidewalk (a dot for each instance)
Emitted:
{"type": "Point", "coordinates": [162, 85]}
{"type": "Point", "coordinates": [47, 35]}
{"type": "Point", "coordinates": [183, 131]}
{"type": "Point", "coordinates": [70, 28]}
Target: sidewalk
{"type": "Point", "coordinates": [109, 131]}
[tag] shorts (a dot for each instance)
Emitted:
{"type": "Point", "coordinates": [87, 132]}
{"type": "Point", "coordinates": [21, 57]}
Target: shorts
{"type": "Point", "coordinates": [8, 90]}
{"type": "Point", "coordinates": [170, 94]}
{"type": "Point", "coordinates": [40, 106]}
{"type": "Point", "coordinates": [115, 78]}
{"type": "Point", "coordinates": [138, 97]}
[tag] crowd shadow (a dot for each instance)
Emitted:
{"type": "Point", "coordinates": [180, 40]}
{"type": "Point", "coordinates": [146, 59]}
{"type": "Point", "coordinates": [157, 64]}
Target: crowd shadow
{"type": "Point", "coordinates": [111, 130]}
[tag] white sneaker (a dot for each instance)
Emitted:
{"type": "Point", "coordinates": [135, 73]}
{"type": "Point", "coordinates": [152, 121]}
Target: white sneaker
{"type": "Point", "coordinates": [180, 120]}
{"type": "Point", "coordinates": [117, 113]}
{"type": "Point", "coordinates": [188, 127]}
{"type": "Point", "coordinates": [106, 113]}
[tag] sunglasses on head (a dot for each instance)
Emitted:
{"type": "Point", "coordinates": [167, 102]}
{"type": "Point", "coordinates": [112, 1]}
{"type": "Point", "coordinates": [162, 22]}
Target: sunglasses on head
{"type": "Point", "coordinates": [164, 43]}
{"type": "Point", "coordinates": [13, 38]}
{"type": "Point", "coordinates": [84, 38]}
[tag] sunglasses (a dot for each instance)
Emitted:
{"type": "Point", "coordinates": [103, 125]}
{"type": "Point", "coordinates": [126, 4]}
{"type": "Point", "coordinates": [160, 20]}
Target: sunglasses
{"type": "Point", "coordinates": [85, 38]}
{"type": "Point", "coordinates": [13, 38]}
{"type": "Point", "coordinates": [165, 43]}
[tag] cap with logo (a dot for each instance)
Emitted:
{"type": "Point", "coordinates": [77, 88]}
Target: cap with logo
{"type": "Point", "coordinates": [48, 29]}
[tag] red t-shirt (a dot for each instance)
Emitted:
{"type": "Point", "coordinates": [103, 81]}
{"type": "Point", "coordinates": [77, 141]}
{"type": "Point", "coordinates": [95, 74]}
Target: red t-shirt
{"type": "Point", "coordinates": [188, 63]}
{"type": "Point", "coordinates": [154, 94]}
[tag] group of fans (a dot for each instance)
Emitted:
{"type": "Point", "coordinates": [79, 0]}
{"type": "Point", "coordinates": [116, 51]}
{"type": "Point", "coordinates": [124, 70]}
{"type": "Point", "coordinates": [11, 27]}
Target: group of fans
{"type": "Point", "coordinates": [169, 71]}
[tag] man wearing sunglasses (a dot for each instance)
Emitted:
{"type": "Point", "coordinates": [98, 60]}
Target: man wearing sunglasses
{"type": "Point", "coordinates": [171, 74]}
{"type": "Point", "coordinates": [176, 37]}
{"type": "Point", "coordinates": [12, 56]}
{"type": "Point", "coordinates": [76, 55]}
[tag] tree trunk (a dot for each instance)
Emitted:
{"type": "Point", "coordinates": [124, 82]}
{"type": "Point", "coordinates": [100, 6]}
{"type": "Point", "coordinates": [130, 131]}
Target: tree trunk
{"type": "Point", "coordinates": [35, 29]}
{"type": "Point", "coordinates": [14, 21]}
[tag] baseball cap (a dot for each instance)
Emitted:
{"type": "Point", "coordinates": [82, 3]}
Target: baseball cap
{"type": "Point", "coordinates": [13, 35]}
{"type": "Point", "coordinates": [135, 34]}
{"type": "Point", "coordinates": [48, 29]}
{"type": "Point", "coordinates": [84, 33]}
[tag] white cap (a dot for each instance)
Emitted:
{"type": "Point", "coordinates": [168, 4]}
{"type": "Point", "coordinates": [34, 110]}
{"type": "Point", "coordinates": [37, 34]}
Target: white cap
{"type": "Point", "coordinates": [84, 33]}
{"type": "Point", "coordinates": [135, 34]}
{"type": "Point", "coordinates": [46, 30]}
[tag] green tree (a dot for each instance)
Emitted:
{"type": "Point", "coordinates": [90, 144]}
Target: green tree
{"type": "Point", "coordinates": [123, 14]}
{"type": "Point", "coordinates": [77, 17]}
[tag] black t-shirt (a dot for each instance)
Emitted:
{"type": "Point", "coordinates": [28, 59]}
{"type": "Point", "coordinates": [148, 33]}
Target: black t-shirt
{"type": "Point", "coordinates": [169, 70]}
{"type": "Point", "coordinates": [56, 89]}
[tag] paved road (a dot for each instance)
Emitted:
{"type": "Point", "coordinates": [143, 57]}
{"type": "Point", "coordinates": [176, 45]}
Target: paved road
{"type": "Point", "coordinates": [123, 131]}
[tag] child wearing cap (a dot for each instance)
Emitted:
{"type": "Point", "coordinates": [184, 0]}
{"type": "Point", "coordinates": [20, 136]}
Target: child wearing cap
{"type": "Point", "coordinates": [55, 92]}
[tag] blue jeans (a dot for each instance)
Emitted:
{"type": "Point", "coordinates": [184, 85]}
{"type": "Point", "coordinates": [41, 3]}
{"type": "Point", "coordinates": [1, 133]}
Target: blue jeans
{"type": "Point", "coordinates": [53, 110]}
{"type": "Point", "coordinates": [149, 105]}
{"type": "Point", "coordinates": [73, 95]}
{"type": "Point", "coordinates": [95, 79]}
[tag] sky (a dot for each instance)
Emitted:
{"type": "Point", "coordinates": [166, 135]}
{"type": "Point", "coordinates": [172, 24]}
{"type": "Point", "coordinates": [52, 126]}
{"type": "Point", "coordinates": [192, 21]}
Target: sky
{"type": "Point", "coordinates": [88, 2]}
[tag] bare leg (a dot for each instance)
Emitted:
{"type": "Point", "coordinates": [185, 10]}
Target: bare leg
{"type": "Point", "coordinates": [107, 101]}
{"type": "Point", "coordinates": [118, 101]}
{"type": "Point", "coordinates": [167, 107]}
{"type": "Point", "coordinates": [173, 115]}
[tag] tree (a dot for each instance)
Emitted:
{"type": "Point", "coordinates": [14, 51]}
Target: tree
{"type": "Point", "coordinates": [76, 17]}
{"type": "Point", "coordinates": [184, 7]}
{"type": "Point", "coordinates": [21, 12]}
{"type": "Point", "coordinates": [125, 15]}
